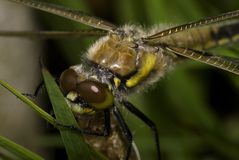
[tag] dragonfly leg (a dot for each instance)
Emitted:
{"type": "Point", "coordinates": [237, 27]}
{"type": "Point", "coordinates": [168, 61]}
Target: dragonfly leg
{"type": "Point", "coordinates": [36, 92]}
{"type": "Point", "coordinates": [125, 130]}
{"type": "Point", "coordinates": [105, 132]}
{"type": "Point", "coordinates": [146, 120]}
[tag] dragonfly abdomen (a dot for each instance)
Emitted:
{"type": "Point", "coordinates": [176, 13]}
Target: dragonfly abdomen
{"type": "Point", "coordinates": [201, 38]}
{"type": "Point", "coordinates": [225, 34]}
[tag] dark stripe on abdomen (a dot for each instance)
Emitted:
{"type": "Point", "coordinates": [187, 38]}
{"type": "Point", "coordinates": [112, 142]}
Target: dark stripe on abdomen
{"type": "Point", "coordinates": [227, 31]}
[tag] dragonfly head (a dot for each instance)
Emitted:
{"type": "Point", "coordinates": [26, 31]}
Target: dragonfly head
{"type": "Point", "coordinates": [85, 95]}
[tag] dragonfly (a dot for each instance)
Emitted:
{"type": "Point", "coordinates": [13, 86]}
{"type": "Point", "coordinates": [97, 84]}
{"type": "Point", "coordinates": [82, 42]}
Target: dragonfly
{"type": "Point", "coordinates": [129, 58]}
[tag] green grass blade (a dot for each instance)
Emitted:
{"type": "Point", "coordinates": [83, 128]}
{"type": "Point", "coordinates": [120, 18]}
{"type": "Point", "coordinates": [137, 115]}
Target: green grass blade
{"type": "Point", "coordinates": [74, 143]}
{"type": "Point", "coordinates": [18, 150]}
{"type": "Point", "coordinates": [29, 103]}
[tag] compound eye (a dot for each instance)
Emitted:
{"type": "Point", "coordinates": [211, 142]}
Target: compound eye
{"type": "Point", "coordinates": [96, 94]}
{"type": "Point", "coordinates": [68, 80]}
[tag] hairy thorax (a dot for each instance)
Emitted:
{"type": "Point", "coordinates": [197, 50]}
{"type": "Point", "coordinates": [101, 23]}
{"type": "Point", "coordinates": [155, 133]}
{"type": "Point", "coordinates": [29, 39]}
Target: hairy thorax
{"type": "Point", "coordinates": [117, 55]}
{"type": "Point", "coordinates": [127, 58]}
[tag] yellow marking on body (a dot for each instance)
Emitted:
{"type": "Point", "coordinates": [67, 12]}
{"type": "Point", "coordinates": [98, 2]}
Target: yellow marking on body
{"type": "Point", "coordinates": [75, 107]}
{"type": "Point", "coordinates": [72, 95]}
{"type": "Point", "coordinates": [235, 37]}
{"type": "Point", "coordinates": [117, 82]}
{"type": "Point", "coordinates": [147, 64]}
{"type": "Point", "coordinates": [88, 110]}
{"type": "Point", "coordinates": [223, 41]}
{"type": "Point", "coordinates": [210, 43]}
{"type": "Point", "coordinates": [78, 109]}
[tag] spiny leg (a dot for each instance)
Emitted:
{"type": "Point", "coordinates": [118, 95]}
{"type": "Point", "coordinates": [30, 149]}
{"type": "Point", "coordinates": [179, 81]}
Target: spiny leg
{"type": "Point", "coordinates": [38, 89]}
{"type": "Point", "coordinates": [40, 85]}
{"type": "Point", "coordinates": [125, 130]}
{"type": "Point", "coordinates": [105, 132]}
{"type": "Point", "coordinates": [145, 119]}
{"type": "Point", "coordinates": [36, 92]}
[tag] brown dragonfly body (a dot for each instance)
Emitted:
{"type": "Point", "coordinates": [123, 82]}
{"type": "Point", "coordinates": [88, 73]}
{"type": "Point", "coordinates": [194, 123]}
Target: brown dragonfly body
{"type": "Point", "coordinates": [129, 58]}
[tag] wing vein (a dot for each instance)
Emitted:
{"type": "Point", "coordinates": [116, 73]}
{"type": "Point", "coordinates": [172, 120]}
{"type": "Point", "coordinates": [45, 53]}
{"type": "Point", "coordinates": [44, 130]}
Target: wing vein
{"type": "Point", "coordinates": [222, 62]}
{"type": "Point", "coordinates": [74, 15]}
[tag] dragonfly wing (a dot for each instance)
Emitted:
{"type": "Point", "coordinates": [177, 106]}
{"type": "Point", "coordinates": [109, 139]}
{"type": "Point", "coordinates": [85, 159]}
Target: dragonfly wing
{"type": "Point", "coordinates": [222, 62]}
{"type": "Point", "coordinates": [52, 34]}
{"type": "Point", "coordinates": [201, 22]}
{"type": "Point", "coordinates": [202, 34]}
{"type": "Point", "coordinates": [69, 14]}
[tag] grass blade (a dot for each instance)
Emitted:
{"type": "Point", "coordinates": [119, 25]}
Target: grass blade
{"type": "Point", "coordinates": [74, 141]}
{"type": "Point", "coordinates": [18, 150]}
{"type": "Point", "coordinates": [75, 145]}
{"type": "Point", "coordinates": [29, 103]}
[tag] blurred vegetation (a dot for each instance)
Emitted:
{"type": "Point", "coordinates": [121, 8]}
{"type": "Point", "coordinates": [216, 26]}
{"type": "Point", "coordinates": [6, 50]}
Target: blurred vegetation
{"type": "Point", "coordinates": [195, 107]}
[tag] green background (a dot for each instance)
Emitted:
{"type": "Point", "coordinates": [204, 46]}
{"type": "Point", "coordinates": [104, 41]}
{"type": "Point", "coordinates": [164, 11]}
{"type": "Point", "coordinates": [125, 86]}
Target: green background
{"type": "Point", "coordinates": [195, 106]}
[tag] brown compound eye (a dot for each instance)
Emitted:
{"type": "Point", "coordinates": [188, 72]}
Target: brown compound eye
{"type": "Point", "coordinates": [96, 94]}
{"type": "Point", "coordinates": [68, 80]}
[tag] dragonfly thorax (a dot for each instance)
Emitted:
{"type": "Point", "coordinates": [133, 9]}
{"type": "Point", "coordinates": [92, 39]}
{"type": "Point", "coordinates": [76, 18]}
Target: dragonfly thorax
{"type": "Point", "coordinates": [114, 53]}
{"type": "Point", "coordinates": [125, 56]}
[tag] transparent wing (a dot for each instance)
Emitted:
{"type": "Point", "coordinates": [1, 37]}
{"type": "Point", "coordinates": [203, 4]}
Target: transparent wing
{"type": "Point", "coordinates": [68, 13]}
{"type": "Point", "coordinates": [201, 22]}
{"type": "Point", "coordinates": [222, 62]}
{"type": "Point", "coordinates": [52, 34]}
{"type": "Point", "coordinates": [204, 33]}
{"type": "Point", "coordinates": [204, 37]}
